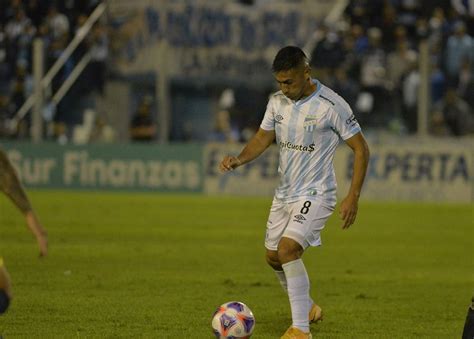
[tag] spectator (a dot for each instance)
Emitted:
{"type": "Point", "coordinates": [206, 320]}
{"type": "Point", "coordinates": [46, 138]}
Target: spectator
{"type": "Point", "coordinates": [142, 127]}
{"type": "Point", "coordinates": [24, 43]}
{"type": "Point", "coordinates": [99, 53]}
{"type": "Point", "coordinates": [8, 12]}
{"type": "Point", "coordinates": [21, 87]}
{"type": "Point", "coordinates": [4, 68]}
{"type": "Point", "coordinates": [223, 131]}
{"type": "Point", "coordinates": [438, 83]}
{"type": "Point", "coordinates": [15, 30]}
{"type": "Point", "coordinates": [389, 24]}
{"type": "Point", "coordinates": [408, 13]}
{"type": "Point", "coordinates": [361, 42]}
{"type": "Point", "coordinates": [17, 25]}
{"type": "Point", "coordinates": [459, 49]}
{"type": "Point", "coordinates": [410, 86]}
{"type": "Point", "coordinates": [35, 10]}
{"type": "Point", "coordinates": [456, 112]}
{"type": "Point", "coordinates": [438, 125]}
{"type": "Point", "coordinates": [58, 23]}
{"type": "Point", "coordinates": [438, 25]}
{"type": "Point", "coordinates": [351, 56]}
{"type": "Point", "coordinates": [327, 55]}
{"type": "Point", "coordinates": [345, 86]}
{"type": "Point", "coordinates": [373, 77]}
{"type": "Point", "coordinates": [6, 111]}
{"type": "Point", "coordinates": [373, 65]}
{"type": "Point", "coordinates": [398, 63]}
{"type": "Point", "coordinates": [465, 86]}
{"type": "Point", "coordinates": [83, 46]}
{"type": "Point", "coordinates": [103, 132]}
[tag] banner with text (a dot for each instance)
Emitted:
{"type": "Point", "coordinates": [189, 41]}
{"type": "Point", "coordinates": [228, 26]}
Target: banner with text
{"type": "Point", "coordinates": [121, 167]}
{"type": "Point", "coordinates": [259, 177]}
{"type": "Point", "coordinates": [403, 173]}
{"type": "Point", "coordinates": [216, 39]}
{"type": "Point", "coordinates": [413, 173]}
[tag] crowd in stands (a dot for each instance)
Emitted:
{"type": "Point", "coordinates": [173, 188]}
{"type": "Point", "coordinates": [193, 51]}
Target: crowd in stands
{"type": "Point", "coordinates": [56, 23]}
{"type": "Point", "coordinates": [371, 59]}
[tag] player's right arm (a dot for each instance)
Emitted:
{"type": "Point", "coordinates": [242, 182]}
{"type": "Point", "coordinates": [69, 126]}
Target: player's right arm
{"type": "Point", "coordinates": [256, 146]}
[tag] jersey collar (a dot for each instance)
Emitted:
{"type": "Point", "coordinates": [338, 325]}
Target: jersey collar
{"type": "Point", "coordinates": [312, 95]}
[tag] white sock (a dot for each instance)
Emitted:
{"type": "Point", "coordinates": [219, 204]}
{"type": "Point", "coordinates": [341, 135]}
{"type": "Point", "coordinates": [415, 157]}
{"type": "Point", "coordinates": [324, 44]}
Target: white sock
{"type": "Point", "coordinates": [282, 279]}
{"type": "Point", "coordinates": [298, 293]}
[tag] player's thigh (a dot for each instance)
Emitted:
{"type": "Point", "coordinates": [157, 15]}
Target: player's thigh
{"type": "Point", "coordinates": [276, 224]}
{"type": "Point", "coordinates": [307, 219]}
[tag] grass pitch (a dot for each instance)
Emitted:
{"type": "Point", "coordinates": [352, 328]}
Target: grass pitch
{"type": "Point", "coordinates": [156, 266]}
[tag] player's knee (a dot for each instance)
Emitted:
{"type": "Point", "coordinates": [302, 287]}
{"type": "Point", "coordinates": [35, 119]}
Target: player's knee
{"type": "Point", "coordinates": [272, 260]}
{"type": "Point", "coordinates": [4, 301]}
{"type": "Point", "coordinates": [289, 250]}
{"type": "Point", "coordinates": [285, 255]}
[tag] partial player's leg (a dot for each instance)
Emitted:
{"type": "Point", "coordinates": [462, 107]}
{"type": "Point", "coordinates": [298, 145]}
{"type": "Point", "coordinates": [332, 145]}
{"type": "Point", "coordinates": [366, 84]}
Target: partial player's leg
{"type": "Point", "coordinates": [315, 312]}
{"type": "Point", "coordinates": [307, 219]}
{"type": "Point", "coordinates": [5, 288]}
{"type": "Point", "coordinates": [280, 216]}
{"type": "Point", "coordinates": [289, 255]}
{"type": "Point", "coordinates": [468, 332]}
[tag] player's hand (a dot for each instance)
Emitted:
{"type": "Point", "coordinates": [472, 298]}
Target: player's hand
{"type": "Point", "coordinates": [41, 236]}
{"type": "Point", "coordinates": [348, 211]}
{"type": "Point", "coordinates": [42, 240]}
{"type": "Point", "coordinates": [229, 163]}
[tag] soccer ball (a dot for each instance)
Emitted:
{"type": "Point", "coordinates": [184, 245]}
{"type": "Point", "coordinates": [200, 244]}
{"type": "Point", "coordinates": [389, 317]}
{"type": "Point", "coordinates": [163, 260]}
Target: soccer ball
{"type": "Point", "coordinates": [233, 320]}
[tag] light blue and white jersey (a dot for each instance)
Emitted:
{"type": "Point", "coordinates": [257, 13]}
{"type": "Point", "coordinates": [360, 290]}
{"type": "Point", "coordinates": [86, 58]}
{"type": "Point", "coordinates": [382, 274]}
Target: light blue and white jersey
{"type": "Point", "coordinates": [308, 132]}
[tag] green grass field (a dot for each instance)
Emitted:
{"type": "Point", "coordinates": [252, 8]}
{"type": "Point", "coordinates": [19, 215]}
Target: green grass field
{"type": "Point", "coordinates": [156, 266]}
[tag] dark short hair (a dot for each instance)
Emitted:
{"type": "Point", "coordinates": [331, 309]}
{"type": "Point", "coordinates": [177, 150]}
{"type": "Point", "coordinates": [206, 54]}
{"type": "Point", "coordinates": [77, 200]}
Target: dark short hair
{"type": "Point", "coordinates": [288, 57]}
{"type": "Point", "coordinates": [4, 301]}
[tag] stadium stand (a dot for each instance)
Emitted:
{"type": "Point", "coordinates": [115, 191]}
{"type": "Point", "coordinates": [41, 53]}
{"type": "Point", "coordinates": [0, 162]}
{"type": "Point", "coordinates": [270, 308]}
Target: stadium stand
{"type": "Point", "coordinates": [372, 60]}
{"type": "Point", "coordinates": [55, 23]}
{"type": "Point", "coordinates": [370, 56]}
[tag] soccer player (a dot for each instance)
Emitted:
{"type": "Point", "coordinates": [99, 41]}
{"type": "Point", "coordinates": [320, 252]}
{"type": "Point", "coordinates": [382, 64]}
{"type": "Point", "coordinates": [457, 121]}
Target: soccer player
{"type": "Point", "coordinates": [11, 186]}
{"type": "Point", "coordinates": [307, 119]}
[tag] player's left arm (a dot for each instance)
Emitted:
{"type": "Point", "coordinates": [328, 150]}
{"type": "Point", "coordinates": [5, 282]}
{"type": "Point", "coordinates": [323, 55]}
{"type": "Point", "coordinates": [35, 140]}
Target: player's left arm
{"type": "Point", "coordinates": [10, 185]}
{"type": "Point", "coordinates": [349, 206]}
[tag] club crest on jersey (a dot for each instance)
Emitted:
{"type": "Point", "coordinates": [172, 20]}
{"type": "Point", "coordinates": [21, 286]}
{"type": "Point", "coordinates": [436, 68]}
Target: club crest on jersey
{"type": "Point", "coordinates": [309, 122]}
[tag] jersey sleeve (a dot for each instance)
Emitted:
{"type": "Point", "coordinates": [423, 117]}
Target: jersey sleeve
{"type": "Point", "coordinates": [343, 120]}
{"type": "Point", "coordinates": [268, 122]}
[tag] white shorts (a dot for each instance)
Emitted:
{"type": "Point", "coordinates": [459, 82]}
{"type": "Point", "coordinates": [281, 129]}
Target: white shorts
{"type": "Point", "coordinates": [301, 220]}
